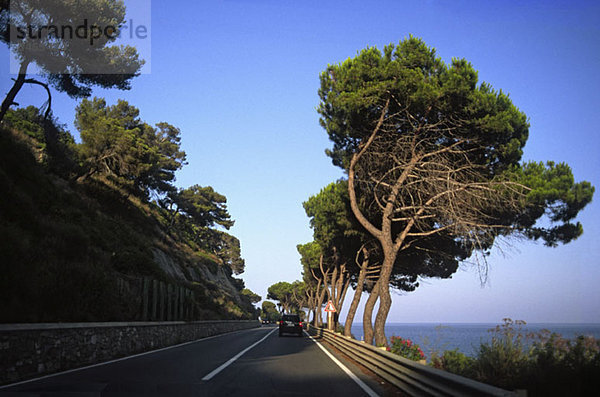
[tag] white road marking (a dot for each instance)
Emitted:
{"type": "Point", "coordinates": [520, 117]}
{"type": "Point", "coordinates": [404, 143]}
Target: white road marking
{"type": "Point", "coordinates": [355, 378]}
{"type": "Point", "coordinates": [121, 359]}
{"type": "Point", "coordinates": [232, 359]}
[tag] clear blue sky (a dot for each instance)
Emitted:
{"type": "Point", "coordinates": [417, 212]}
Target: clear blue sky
{"type": "Point", "coordinates": [240, 79]}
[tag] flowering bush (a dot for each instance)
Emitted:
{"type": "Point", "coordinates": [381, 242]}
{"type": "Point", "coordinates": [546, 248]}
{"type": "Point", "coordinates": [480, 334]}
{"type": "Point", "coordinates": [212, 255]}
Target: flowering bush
{"type": "Point", "coordinates": [406, 348]}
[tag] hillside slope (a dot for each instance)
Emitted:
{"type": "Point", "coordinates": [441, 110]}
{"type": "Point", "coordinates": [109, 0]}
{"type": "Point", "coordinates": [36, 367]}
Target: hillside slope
{"type": "Point", "coordinates": [75, 251]}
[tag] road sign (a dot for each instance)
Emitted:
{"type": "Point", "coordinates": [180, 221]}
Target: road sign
{"type": "Point", "coordinates": [330, 308]}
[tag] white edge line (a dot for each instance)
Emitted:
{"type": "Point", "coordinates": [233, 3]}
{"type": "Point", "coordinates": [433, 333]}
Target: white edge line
{"type": "Point", "coordinates": [355, 378]}
{"type": "Point", "coordinates": [232, 359]}
{"type": "Point", "coordinates": [121, 359]}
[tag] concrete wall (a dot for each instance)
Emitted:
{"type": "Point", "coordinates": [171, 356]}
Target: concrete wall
{"type": "Point", "coordinates": [32, 350]}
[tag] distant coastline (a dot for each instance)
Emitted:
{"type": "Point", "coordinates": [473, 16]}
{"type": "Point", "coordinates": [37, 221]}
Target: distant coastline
{"type": "Point", "coordinates": [467, 337]}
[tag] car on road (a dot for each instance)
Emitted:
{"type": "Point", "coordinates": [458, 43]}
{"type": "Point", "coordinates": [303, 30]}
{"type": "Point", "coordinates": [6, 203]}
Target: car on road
{"type": "Point", "coordinates": [290, 324]}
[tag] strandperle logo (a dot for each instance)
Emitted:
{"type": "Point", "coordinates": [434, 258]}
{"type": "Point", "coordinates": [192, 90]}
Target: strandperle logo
{"type": "Point", "coordinates": [83, 31]}
{"type": "Point", "coordinates": [89, 31]}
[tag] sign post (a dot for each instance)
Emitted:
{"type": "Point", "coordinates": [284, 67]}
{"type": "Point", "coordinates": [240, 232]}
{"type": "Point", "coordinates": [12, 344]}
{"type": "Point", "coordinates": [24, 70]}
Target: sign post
{"type": "Point", "coordinates": [330, 309]}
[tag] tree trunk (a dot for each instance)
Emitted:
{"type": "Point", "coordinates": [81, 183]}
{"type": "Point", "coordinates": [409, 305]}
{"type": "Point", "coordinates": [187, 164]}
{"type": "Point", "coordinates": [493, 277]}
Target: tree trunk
{"type": "Point", "coordinates": [12, 94]}
{"type": "Point", "coordinates": [385, 300]}
{"type": "Point", "coordinates": [340, 286]}
{"type": "Point", "coordinates": [332, 283]}
{"type": "Point", "coordinates": [357, 295]}
{"type": "Point", "coordinates": [173, 214]}
{"type": "Point", "coordinates": [311, 305]}
{"type": "Point", "coordinates": [319, 318]}
{"type": "Point", "coordinates": [343, 296]}
{"type": "Point", "coordinates": [368, 314]}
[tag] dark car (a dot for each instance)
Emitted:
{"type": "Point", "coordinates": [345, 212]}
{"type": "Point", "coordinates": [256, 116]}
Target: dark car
{"type": "Point", "coordinates": [290, 323]}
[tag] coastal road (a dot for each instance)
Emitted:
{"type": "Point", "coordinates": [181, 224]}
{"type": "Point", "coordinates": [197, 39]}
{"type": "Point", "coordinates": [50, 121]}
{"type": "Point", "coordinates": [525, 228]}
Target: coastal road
{"type": "Point", "coordinates": [253, 362]}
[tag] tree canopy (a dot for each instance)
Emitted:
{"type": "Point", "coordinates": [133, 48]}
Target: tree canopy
{"type": "Point", "coordinates": [69, 63]}
{"type": "Point", "coordinates": [430, 150]}
{"type": "Point", "coordinates": [282, 292]}
{"type": "Point", "coordinates": [289, 295]}
{"type": "Point", "coordinates": [205, 206]}
{"type": "Point", "coordinates": [270, 312]}
{"type": "Point", "coordinates": [116, 143]}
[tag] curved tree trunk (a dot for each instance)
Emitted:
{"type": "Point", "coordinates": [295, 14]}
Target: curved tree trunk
{"type": "Point", "coordinates": [49, 108]}
{"type": "Point", "coordinates": [357, 294]}
{"type": "Point", "coordinates": [339, 284]}
{"type": "Point", "coordinates": [319, 318]}
{"type": "Point", "coordinates": [342, 297]}
{"type": "Point", "coordinates": [385, 300]}
{"type": "Point", "coordinates": [9, 100]}
{"type": "Point", "coordinates": [311, 305]}
{"type": "Point", "coordinates": [368, 314]}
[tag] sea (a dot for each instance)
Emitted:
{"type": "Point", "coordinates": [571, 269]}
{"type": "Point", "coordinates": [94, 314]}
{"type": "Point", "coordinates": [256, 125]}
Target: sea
{"type": "Point", "coordinates": [467, 338]}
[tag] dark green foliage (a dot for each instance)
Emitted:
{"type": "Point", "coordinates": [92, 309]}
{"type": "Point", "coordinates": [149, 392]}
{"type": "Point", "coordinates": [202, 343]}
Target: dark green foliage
{"type": "Point", "coordinates": [544, 364]}
{"type": "Point", "coordinates": [70, 69]}
{"type": "Point", "coordinates": [282, 292]}
{"type": "Point", "coordinates": [270, 312]}
{"type": "Point", "coordinates": [291, 296]}
{"type": "Point", "coordinates": [563, 367]}
{"type": "Point", "coordinates": [455, 362]}
{"type": "Point", "coordinates": [249, 299]}
{"type": "Point", "coordinates": [429, 150]}
{"type": "Point", "coordinates": [195, 213]}
{"type": "Point", "coordinates": [310, 254]}
{"type": "Point", "coordinates": [339, 234]}
{"type": "Point", "coordinates": [440, 106]}
{"type": "Point", "coordinates": [65, 243]}
{"type": "Point", "coordinates": [117, 144]}
{"type": "Point", "coordinates": [53, 144]}
{"type": "Point", "coordinates": [227, 248]}
{"type": "Point", "coordinates": [554, 197]}
{"type": "Point", "coordinates": [50, 270]}
{"type": "Point", "coordinates": [420, 84]}
{"type": "Point", "coordinates": [252, 297]}
{"type": "Point", "coordinates": [204, 206]}
{"type": "Point", "coordinates": [331, 218]}
{"type": "Point", "coordinates": [503, 361]}
{"type": "Point", "coordinates": [238, 283]}
{"type": "Point", "coordinates": [26, 120]}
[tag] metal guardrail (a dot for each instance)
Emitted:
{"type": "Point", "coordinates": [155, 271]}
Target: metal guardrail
{"type": "Point", "coordinates": [411, 377]}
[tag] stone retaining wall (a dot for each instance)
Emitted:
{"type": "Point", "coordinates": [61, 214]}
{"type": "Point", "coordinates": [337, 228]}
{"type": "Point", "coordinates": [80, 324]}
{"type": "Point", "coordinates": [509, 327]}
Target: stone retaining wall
{"type": "Point", "coordinates": [32, 350]}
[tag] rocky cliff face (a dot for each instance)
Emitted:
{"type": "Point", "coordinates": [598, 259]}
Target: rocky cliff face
{"type": "Point", "coordinates": [196, 272]}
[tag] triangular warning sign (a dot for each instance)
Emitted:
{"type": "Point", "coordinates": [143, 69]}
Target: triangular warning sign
{"type": "Point", "coordinates": [330, 307]}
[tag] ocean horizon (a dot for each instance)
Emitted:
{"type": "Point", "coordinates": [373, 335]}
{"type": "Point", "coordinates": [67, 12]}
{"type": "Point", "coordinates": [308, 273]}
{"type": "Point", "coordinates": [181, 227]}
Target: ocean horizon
{"type": "Point", "coordinates": [467, 337]}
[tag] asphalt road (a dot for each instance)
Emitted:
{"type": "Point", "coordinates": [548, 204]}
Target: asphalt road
{"type": "Point", "coordinates": [266, 365]}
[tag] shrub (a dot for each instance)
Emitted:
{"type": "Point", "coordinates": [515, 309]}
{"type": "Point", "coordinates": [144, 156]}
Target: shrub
{"type": "Point", "coordinates": [544, 364]}
{"type": "Point", "coordinates": [406, 348]}
{"type": "Point", "coordinates": [502, 361]}
{"type": "Point", "coordinates": [564, 367]}
{"type": "Point", "coordinates": [456, 362]}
